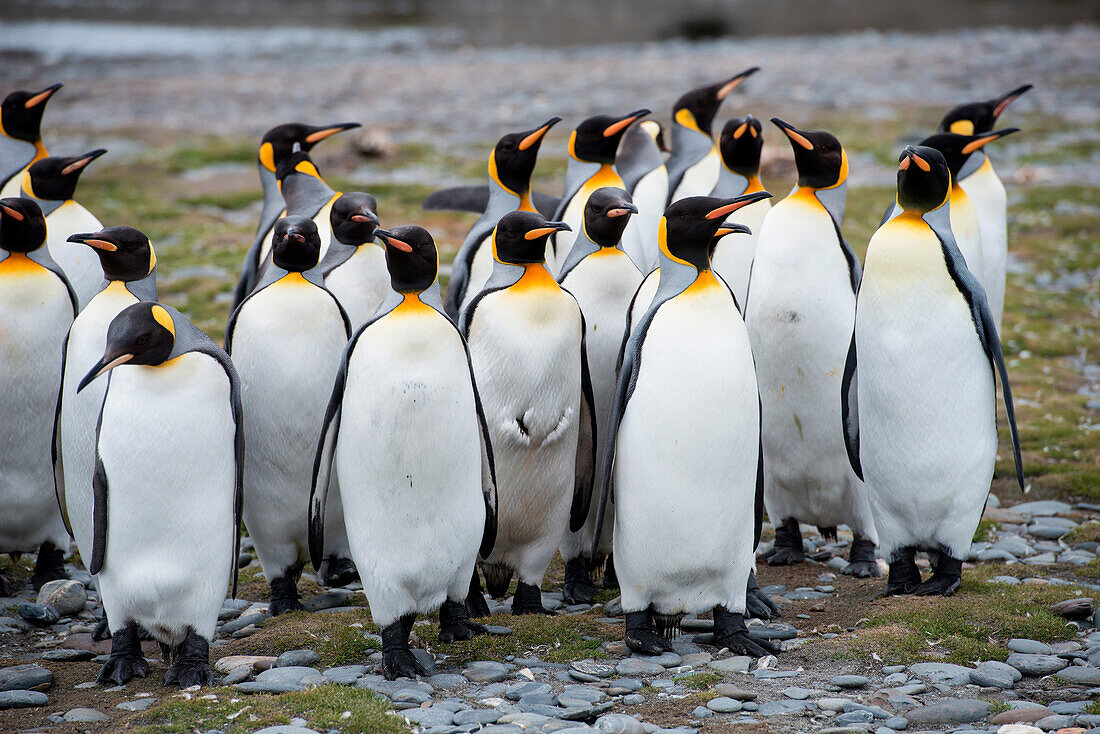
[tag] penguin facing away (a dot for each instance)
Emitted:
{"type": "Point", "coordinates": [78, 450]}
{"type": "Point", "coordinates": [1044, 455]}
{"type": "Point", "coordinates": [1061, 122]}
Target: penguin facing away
{"type": "Point", "coordinates": [51, 182]}
{"type": "Point", "coordinates": [286, 339]}
{"type": "Point", "coordinates": [276, 145]}
{"type": "Point", "coordinates": [986, 192]}
{"type": "Point", "coordinates": [694, 164]}
{"type": "Point", "coordinates": [687, 359]}
{"type": "Point", "coordinates": [21, 135]}
{"type": "Point", "coordinates": [511, 163]}
{"type": "Point", "coordinates": [168, 481]}
{"type": "Point", "coordinates": [527, 345]}
{"type": "Point", "coordinates": [641, 163]}
{"type": "Point", "coordinates": [405, 437]}
{"type": "Point", "coordinates": [37, 305]}
{"type": "Point", "coordinates": [800, 310]}
{"type": "Point", "coordinates": [918, 395]}
{"type": "Point", "coordinates": [603, 279]}
{"type": "Point", "coordinates": [354, 268]}
{"type": "Point", "coordinates": [739, 146]}
{"type": "Point", "coordinates": [129, 275]}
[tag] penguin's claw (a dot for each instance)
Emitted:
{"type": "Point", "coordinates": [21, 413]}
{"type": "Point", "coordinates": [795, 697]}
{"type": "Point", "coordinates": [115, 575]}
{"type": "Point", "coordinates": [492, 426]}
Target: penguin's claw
{"type": "Point", "coordinates": [528, 600]}
{"type": "Point", "coordinates": [186, 675]}
{"type": "Point", "coordinates": [102, 631]}
{"type": "Point", "coordinates": [943, 586]}
{"type": "Point", "coordinates": [281, 606]}
{"type": "Point", "coordinates": [578, 587]}
{"type": "Point", "coordinates": [647, 642]}
{"type": "Point", "coordinates": [741, 642]}
{"type": "Point", "coordinates": [861, 560]}
{"type": "Point", "coordinates": [784, 556]}
{"type": "Point", "coordinates": [900, 589]}
{"type": "Point", "coordinates": [862, 570]}
{"type": "Point", "coordinates": [337, 571]}
{"type": "Point", "coordinates": [455, 624]}
{"type": "Point", "coordinates": [284, 595]}
{"type": "Point", "coordinates": [759, 605]}
{"type": "Point", "coordinates": [401, 664]}
{"type": "Point", "coordinates": [119, 670]}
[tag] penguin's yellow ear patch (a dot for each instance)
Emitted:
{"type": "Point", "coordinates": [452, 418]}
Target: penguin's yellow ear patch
{"type": "Point", "coordinates": [162, 317]}
{"type": "Point", "coordinates": [962, 127]}
{"type": "Point", "coordinates": [267, 156]}
{"type": "Point", "coordinates": [685, 118]}
{"type": "Point", "coordinates": [307, 168]}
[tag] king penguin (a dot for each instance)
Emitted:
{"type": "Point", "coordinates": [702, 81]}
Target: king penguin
{"type": "Point", "coordinates": [527, 346]}
{"type": "Point", "coordinates": [51, 182]}
{"type": "Point", "coordinates": [276, 145]}
{"type": "Point", "coordinates": [641, 163]}
{"type": "Point", "coordinates": [354, 268]}
{"type": "Point", "coordinates": [592, 148]}
{"type": "Point", "coordinates": [129, 275]}
{"type": "Point", "coordinates": [286, 339]}
{"type": "Point", "coordinates": [167, 487]}
{"type": "Point", "coordinates": [405, 437]}
{"type": "Point", "coordinates": [21, 135]}
{"type": "Point", "coordinates": [511, 163]}
{"type": "Point", "coordinates": [986, 192]}
{"type": "Point", "coordinates": [683, 455]}
{"type": "Point", "coordinates": [918, 394]}
{"type": "Point", "coordinates": [603, 279]}
{"type": "Point", "coordinates": [800, 311]}
{"type": "Point", "coordinates": [694, 164]}
{"type": "Point", "coordinates": [739, 145]}
{"type": "Point", "coordinates": [37, 305]}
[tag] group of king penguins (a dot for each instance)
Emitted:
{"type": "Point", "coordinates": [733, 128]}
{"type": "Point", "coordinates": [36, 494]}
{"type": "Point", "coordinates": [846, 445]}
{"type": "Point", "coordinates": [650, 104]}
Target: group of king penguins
{"type": "Point", "coordinates": [629, 375]}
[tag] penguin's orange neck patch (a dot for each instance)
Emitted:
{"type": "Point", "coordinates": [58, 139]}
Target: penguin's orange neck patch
{"type": "Point", "coordinates": [535, 277]}
{"type": "Point", "coordinates": [754, 186]}
{"type": "Point", "coordinates": [606, 176]}
{"type": "Point", "coordinates": [705, 282]}
{"type": "Point", "coordinates": [525, 204]}
{"type": "Point", "coordinates": [411, 305]}
{"type": "Point", "coordinates": [18, 264]}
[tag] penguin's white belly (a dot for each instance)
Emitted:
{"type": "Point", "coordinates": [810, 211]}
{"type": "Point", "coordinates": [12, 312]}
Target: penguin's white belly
{"type": "Point", "coordinates": [699, 179]}
{"type": "Point", "coordinates": [287, 344]}
{"type": "Point", "coordinates": [408, 459]}
{"type": "Point", "coordinates": [481, 269]}
{"type": "Point", "coordinates": [732, 258]}
{"type": "Point", "coordinates": [800, 315]}
{"type": "Point", "coordinates": [640, 236]}
{"type": "Point", "coordinates": [35, 313]}
{"type": "Point", "coordinates": [166, 443]}
{"type": "Point", "coordinates": [80, 263]}
{"type": "Point", "coordinates": [603, 284]}
{"type": "Point", "coordinates": [525, 349]}
{"type": "Point", "coordinates": [324, 225]}
{"type": "Point", "coordinates": [80, 411]}
{"type": "Point", "coordinates": [360, 284]}
{"type": "Point", "coordinates": [685, 463]}
{"type": "Point", "coordinates": [927, 416]}
{"type": "Point", "coordinates": [968, 235]}
{"type": "Point", "coordinates": [987, 194]}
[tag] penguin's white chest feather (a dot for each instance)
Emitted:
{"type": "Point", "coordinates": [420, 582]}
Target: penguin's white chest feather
{"type": "Point", "coordinates": [987, 194]}
{"type": "Point", "coordinates": [733, 256]}
{"type": "Point", "coordinates": [967, 230]}
{"type": "Point", "coordinates": [640, 236]}
{"type": "Point", "coordinates": [360, 283]}
{"type": "Point", "coordinates": [80, 263]}
{"type": "Point", "coordinates": [699, 179]}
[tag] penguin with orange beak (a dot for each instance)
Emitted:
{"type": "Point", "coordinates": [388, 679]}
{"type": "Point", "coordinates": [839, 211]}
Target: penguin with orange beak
{"type": "Point", "coordinates": [21, 135]}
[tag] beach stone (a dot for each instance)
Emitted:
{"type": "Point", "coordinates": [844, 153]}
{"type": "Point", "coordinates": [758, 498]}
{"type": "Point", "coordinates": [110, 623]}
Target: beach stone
{"type": "Point", "coordinates": [619, 724]}
{"type": "Point", "coordinates": [292, 674]}
{"type": "Point", "coordinates": [731, 691]}
{"type": "Point", "coordinates": [952, 711]}
{"type": "Point", "coordinates": [232, 662]}
{"type": "Point", "coordinates": [260, 686]}
{"type": "Point", "coordinates": [1041, 508]}
{"type": "Point", "coordinates": [996, 667]}
{"type": "Point", "coordinates": [237, 675]}
{"type": "Point", "coordinates": [586, 694]}
{"type": "Point", "coordinates": [1036, 665]}
{"type": "Point", "coordinates": [897, 723]}
{"type": "Point", "coordinates": [1025, 715]}
{"type": "Point", "coordinates": [67, 655]}
{"type": "Point", "coordinates": [665, 659]}
{"type": "Point", "coordinates": [327, 600]}
{"type": "Point", "coordinates": [724, 705]}
{"type": "Point", "coordinates": [1005, 580]}
{"type": "Point", "coordinates": [592, 668]}
{"type": "Point", "coordinates": [1080, 675]}
{"type": "Point", "coordinates": [830, 703]}
{"type": "Point", "coordinates": [28, 677]}
{"type": "Point", "coordinates": [139, 704]}
{"type": "Point", "coordinates": [586, 711]}
{"type": "Point", "coordinates": [952, 675]}
{"type": "Point", "coordinates": [428, 717]}
{"type": "Point", "coordinates": [849, 681]}
{"type": "Point", "coordinates": [477, 716]}
{"type": "Point", "coordinates": [799, 694]}
{"type": "Point", "coordinates": [779, 708]}
{"type": "Point", "coordinates": [485, 671]}
{"type": "Point", "coordinates": [39, 615]}
{"type": "Point", "coordinates": [639, 666]}
{"type": "Point", "coordinates": [241, 622]}
{"type": "Point", "coordinates": [1079, 608]}
{"type": "Point", "coordinates": [425, 658]}
{"type": "Point", "coordinates": [412, 695]}
{"type": "Point", "coordinates": [773, 631]}
{"type": "Point", "coordinates": [1043, 559]}
{"type": "Point", "coordinates": [992, 679]}
{"type": "Point", "coordinates": [297, 658]}
{"type": "Point", "coordinates": [85, 715]}
{"type": "Point", "coordinates": [735, 664]}
{"type": "Point", "coordinates": [285, 729]}
{"type": "Point", "coordinates": [1030, 647]}
{"type": "Point", "coordinates": [1047, 531]}
{"type": "Point", "coordinates": [701, 712]}
{"type": "Point", "coordinates": [1057, 721]}
{"type": "Point", "coordinates": [64, 595]}
{"type": "Point", "coordinates": [517, 691]}
{"type": "Point", "coordinates": [447, 680]}
{"type": "Point", "coordinates": [23, 699]}
{"type": "Point", "coordinates": [857, 716]}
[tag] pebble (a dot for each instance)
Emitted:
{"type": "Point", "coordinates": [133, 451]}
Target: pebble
{"type": "Point", "coordinates": [27, 677]}
{"type": "Point", "coordinates": [517, 691]}
{"type": "Point", "coordinates": [640, 666]}
{"type": "Point", "coordinates": [67, 655]}
{"type": "Point", "coordinates": [1042, 508]}
{"type": "Point", "coordinates": [800, 694]}
{"type": "Point", "coordinates": [486, 671]}
{"type": "Point", "coordinates": [64, 595]}
{"type": "Point", "coordinates": [498, 630]}
{"type": "Point", "coordinates": [952, 675]}
{"type": "Point", "coordinates": [1031, 647]}
{"type": "Point", "coordinates": [327, 600]}
{"type": "Point", "coordinates": [1028, 714]}
{"type": "Point", "coordinates": [665, 659]}
{"type": "Point", "coordinates": [633, 699]}
{"type": "Point", "coordinates": [282, 729]}
{"type": "Point", "coordinates": [849, 681]}
{"type": "Point", "coordinates": [833, 704]}
{"type": "Point", "coordinates": [701, 712]}
{"type": "Point", "coordinates": [1036, 665]}
{"type": "Point", "coordinates": [731, 691]}
{"type": "Point", "coordinates": [857, 716]}
{"type": "Point", "coordinates": [891, 669]}
{"type": "Point", "coordinates": [1047, 532]}
{"type": "Point", "coordinates": [258, 686]}
{"type": "Point", "coordinates": [779, 708]}
{"type": "Point", "coordinates": [22, 699]}
{"type": "Point", "coordinates": [1057, 721]}
{"type": "Point", "coordinates": [1079, 608]}
{"type": "Point", "coordinates": [446, 680]}
{"type": "Point", "coordinates": [238, 675]}
{"type": "Point", "coordinates": [897, 723]}
{"type": "Point", "coordinates": [139, 704]}
{"type": "Point", "coordinates": [297, 675]}
{"type": "Point", "coordinates": [952, 711]}
{"type": "Point", "coordinates": [38, 614]}
{"type": "Point", "coordinates": [255, 662]}
{"type": "Point", "coordinates": [724, 705]}
{"type": "Point", "coordinates": [297, 658]}
{"type": "Point", "coordinates": [85, 715]}
{"type": "Point", "coordinates": [1080, 675]}
{"type": "Point", "coordinates": [619, 724]}
{"type": "Point", "coordinates": [477, 716]}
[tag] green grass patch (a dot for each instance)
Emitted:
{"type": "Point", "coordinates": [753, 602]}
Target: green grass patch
{"type": "Point", "coordinates": [336, 636]}
{"type": "Point", "coordinates": [557, 639]}
{"type": "Point", "coordinates": [1084, 533]}
{"type": "Point", "coordinates": [230, 200]}
{"type": "Point", "coordinates": [699, 681]}
{"type": "Point", "coordinates": [986, 531]}
{"type": "Point", "coordinates": [1090, 570]}
{"type": "Point", "coordinates": [211, 151]}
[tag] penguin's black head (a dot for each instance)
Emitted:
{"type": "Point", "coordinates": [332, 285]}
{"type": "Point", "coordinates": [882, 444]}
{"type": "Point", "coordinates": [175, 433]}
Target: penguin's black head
{"type": "Point", "coordinates": [975, 118]}
{"type": "Point", "coordinates": [924, 180]}
{"type": "Point", "coordinates": [520, 237]}
{"type": "Point", "coordinates": [688, 230]}
{"type": "Point", "coordinates": [143, 333]}
{"type": "Point", "coordinates": [353, 218]}
{"type": "Point", "coordinates": [606, 214]}
{"type": "Point", "coordinates": [513, 159]}
{"type": "Point", "coordinates": [295, 244]}
{"type": "Point", "coordinates": [279, 141]}
{"type": "Point", "coordinates": [54, 178]}
{"type": "Point", "coordinates": [411, 257]}
{"type": "Point", "coordinates": [297, 162]}
{"type": "Point", "coordinates": [818, 156]}
{"type": "Point", "coordinates": [740, 144]}
{"type": "Point", "coordinates": [124, 252]}
{"type": "Point", "coordinates": [22, 226]}
{"type": "Point", "coordinates": [696, 109]}
{"type": "Point", "coordinates": [21, 113]}
{"type": "Point", "coordinates": [957, 148]}
{"type": "Point", "coordinates": [596, 139]}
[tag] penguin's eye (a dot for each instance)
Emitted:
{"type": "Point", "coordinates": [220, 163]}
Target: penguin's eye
{"type": "Point", "coordinates": [142, 340]}
{"type": "Point", "coordinates": [686, 215]}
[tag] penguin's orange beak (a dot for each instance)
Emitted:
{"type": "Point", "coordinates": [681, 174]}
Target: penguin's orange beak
{"type": "Point", "coordinates": [318, 135]}
{"type": "Point", "coordinates": [732, 84]}
{"type": "Point", "coordinates": [388, 239]}
{"type": "Point", "coordinates": [42, 96]}
{"type": "Point", "coordinates": [734, 204]}
{"type": "Point", "coordinates": [980, 141]}
{"type": "Point", "coordinates": [623, 123]}
{"type": "Point", "coordinates": [536, 135]}
{"type": "Point", "coordinates": [17, 216]}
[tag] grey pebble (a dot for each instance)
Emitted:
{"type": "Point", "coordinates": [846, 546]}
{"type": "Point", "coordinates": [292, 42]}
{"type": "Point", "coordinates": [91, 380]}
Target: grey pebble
{"type": "Point", "coordinates": [897, 723]}
{"type": "Point", "coordinates": [1080, 675]}
{"type": "Point", "coordinates": [66, 596]}
{"type": "Point", "coordinates": [139, 704]}
{"type": "Point", "coordinates": [22, 699]}
{"type": "Point", "coordinates": [858, 716]}
{"type": "Point", "coordinates": [779, 708]}
{"type": "Point", "coordinates": [639, 666]}
{"type": "Point", "coordinates": [701, 712]}
{"type": "Point", "coordinates": [477, 716]}
{"type": "Point", "coordinates": [723, 705]}
{"type": "Point", "coordinates": [485, 671]}
{"type": "Point", "coordinates": [633, 699]}
{"type": "Point", "coordinates": [255, 686]}
{"type": "Point", "coordinates": [447, 680]}
{"type": "Point", "coordinates": [849, 681]}
{"type": "Point", "coordinates": [1036, 665]}
{"type": "Point", "coordinates": [25, 678]}
{"type": "Point", "coordinates": [85, 715]}
{"type": "Point", "coordinates": [238, 675]}
{"type": "Point", "coordinates": [297, 658]}
{"type": "Point", "coordinates": [951, 711]}
{"type": "Point", "coordinates": [736, 664]}
{"type": "Point", "coordinates": [39, 615]}
{"type": "Point", "coordinates": [619, 724]}
{"type": "Point", "coordinates": [66, 655]}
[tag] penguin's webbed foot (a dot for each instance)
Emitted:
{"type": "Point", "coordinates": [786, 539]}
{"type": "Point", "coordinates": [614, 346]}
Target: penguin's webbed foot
{"type": "Point", "coordinates": [50, 566]}
{"type": "Point", "coordinates": [946, 579]}
{"type": "Point", "coordinates": [284, 595]}
{"type": "Point", "coordinates": [528, 600]}
{"type": "Point", "coordinates": [102, 630]}
{"type": "Point", "coordinates": [192, 666]}
{"type": "Point", "coordinates": [397, 659]}
{"type": "Point", "coordinates": [759, 605]}
{"type": "Point", "coordinates": [126, 660]}
{"type": "Point", "coordinates": [641, 634]}
{"type": "Point", "coordinates": [861, 560]}
{"type": "Point", "coordinates": [787, 549]}
{"type": "Point", "coordinates": [455, 624]}
{"type": "Point", "coordinates": [610, 579]}
{"type": "Point", "coordinates": [337, 571]}
{"type": "Point", "coordinates": [578, 587]}
{"type": "Point", "coordinates": [904, 576]}
{"type": "Point", "coordinates": [730, 632]}
{"type": "Point", "coordinates": [476, 606]}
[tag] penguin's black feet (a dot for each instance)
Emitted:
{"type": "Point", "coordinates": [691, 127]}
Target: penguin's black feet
{"type": "Point", "coordinates": [861, 560]}
{"type": "Point", "coordinates": [528, 600]}
{"type": "Point", "coordinates": [397, 659]}
{"type": "Point", "coordinates": [946, 579]}
{"type": "Point", "coordinates": [787, 549]}
{"type": "Point", "coordinates": [759, 605]}
{"type": "Point", "coordinates": [284, 595]}
{"type": "Point", "coordinates": [904, 576]}
{"type": "Point", "coordinates": [336, 571]}
{"type": "Point", "coordinates": [126, 660]}
{"type": "Point", "coordinates": [730, 632]}
{"type": "Point", "coordinates": [578, 588]}
{"type": "Point", "coordinates": [50, 565]}
{"type": "Point", "coordinates": [610, 580]}
{"type": "Point", "coordinates": [192, 665]}
{"type": "Point", "coordinates": [641, 634]}
{"type": "Point", "coordinates": [476, 606]}
{"type": "Point", "coordinates": [455, 624]}
{"type": "Point", "coordinates": [102, 630]}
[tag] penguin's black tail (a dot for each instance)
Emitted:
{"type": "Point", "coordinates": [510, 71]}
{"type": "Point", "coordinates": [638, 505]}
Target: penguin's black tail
{"type": "Point", "coordinates": [497, 578]}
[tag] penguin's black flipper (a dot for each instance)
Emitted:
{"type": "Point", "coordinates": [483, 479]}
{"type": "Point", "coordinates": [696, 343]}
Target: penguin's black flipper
{"type": "Point", "coordinates": [758, 500]}
{"type": "Point", "coordinates": [55, 447]}
{"type": "Point", "coordinates": [458, 199]}
{"type": "Point", "coordinates": [99, 510]}
{"type": "Point", "coordinates": [849, 409]}
{"type": "Point", "coordinates": [322, 467]}
{"type": "Point", "coordinates": [586, 443]}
